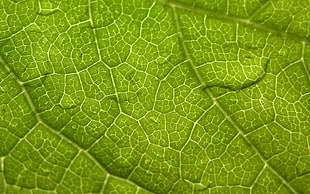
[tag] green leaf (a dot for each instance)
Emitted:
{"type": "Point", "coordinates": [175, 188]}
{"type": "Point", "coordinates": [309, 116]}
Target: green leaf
{"type": "Point", "coordinates": [167, 96]}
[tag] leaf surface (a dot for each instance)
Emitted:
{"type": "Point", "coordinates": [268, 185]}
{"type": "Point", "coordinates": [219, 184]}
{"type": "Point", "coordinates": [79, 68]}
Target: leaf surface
{"type": "Point", "coordinates": [132, 96]}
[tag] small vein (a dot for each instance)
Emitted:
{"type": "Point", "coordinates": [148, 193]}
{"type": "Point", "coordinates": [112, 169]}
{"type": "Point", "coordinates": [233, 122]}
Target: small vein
{"type": "Point", "coordinates": [99, 53]}
{"type": "Point", "coordinates": [303, 61]}
{"type": "Point", "coordinates": [104, 185]}
{"type": "Point", "coordinates": [262, 8]}
{"type": "Point", "coordinates": [258, 176]}
{"type": "Point", "coordinates": [177, 23]}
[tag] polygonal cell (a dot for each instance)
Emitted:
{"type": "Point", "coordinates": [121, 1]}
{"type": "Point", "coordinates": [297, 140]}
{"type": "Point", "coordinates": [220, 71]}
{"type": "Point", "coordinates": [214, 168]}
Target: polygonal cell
{"type": "Point", "coordinates": [158, 169]}
{"type": "Point", "coordinates": [122, 147]}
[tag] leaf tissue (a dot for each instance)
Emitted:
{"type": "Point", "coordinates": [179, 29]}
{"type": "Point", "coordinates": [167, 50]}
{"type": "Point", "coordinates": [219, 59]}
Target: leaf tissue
{"type": "Point", "coordinates": [144, 96]}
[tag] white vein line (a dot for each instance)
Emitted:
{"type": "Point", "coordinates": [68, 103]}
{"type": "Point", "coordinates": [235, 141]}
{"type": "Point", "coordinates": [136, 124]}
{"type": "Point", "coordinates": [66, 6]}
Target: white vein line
{"type": "Point", "coordinates": [259, 10]}
{"type": "Point", "coordinates": [177, 23]}
{"type": "Point", "coordinates": [100, 57]}
{"type": "Point", "coordinates": [258, 177]}
{"type": "Point", "coordinates": [105, 183]}
{"type": "Point", "coordinates": [303, 61]}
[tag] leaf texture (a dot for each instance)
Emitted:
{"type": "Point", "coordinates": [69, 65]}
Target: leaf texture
{"type": "Point", "coordinates": [167, 96]}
